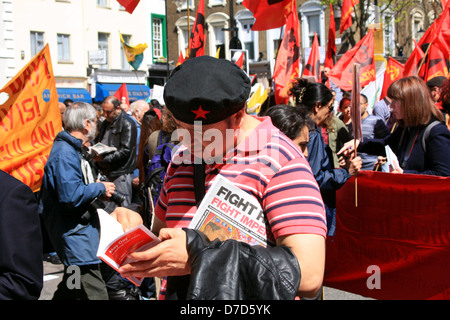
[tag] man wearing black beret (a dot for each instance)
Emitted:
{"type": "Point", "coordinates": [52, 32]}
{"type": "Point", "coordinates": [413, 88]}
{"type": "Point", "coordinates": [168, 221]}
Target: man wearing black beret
{"type": "Point", "coordinates": [207, 98]}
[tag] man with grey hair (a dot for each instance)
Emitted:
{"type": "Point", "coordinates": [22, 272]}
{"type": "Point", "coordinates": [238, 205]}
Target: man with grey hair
{"type": "Point", "coordinates": [68, 191]}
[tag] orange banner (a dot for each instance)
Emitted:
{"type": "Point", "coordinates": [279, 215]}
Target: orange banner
{"type": "Point", "coordinates": [396, 243]}
{"type": "Point", "coordinates": [29, 120]}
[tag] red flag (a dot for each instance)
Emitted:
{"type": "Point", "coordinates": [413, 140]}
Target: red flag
{"type": "Point", "coordinates": [240, 61]}
{"type": "Point", "coordinates": [122, 94]}
{"type": "Point", "coordinates": [346, 14]}
{"type": "Point", "coordinates": [362, 53]}
{"type": "Point", "coordinates": [394, 71]}
{"type": "Point", "coordinates": [197, 38]}
{"type": "Point", "coordinates": [443, 4]}
{"type": "Point", "coordinates": [331, 48]}
{"type": "Point", "coordinates": [413, 62]}
{"type": "Point", "coordinates": [129, 5]}
{"type": "Point", "coordinates": [312, 68]}
{"type": "Point", "coordinates": [269, 14]}
{"type": "Point", "coordinates": [180, 59]}
{"type": "Point", "coordinates": [437, 59]}
{"type": "Point", "coordinates": [287, 65]}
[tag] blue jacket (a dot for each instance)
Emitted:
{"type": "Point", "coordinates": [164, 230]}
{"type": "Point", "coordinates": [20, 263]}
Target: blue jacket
{"type": "Point", "coordinates": [328, 178]}
{"type": "Point", "coordinates": [65, 199]}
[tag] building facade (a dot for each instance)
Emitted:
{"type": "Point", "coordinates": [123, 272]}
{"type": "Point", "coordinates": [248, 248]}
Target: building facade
{"type": "Point", "coordinates": [84, 41]}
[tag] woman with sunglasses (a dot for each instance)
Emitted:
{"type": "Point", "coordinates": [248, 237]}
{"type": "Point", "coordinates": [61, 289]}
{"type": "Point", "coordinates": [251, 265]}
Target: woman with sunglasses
{"type": "Point", "coordinates": [316, 99]}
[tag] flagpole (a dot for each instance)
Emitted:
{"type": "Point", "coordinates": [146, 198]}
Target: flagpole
{"type": "Point", "coordinates": [143, 94]}
{"type": "Point", "coordinates": [423, 59]}
{"type": "Point", "coordinates": [189, 29]}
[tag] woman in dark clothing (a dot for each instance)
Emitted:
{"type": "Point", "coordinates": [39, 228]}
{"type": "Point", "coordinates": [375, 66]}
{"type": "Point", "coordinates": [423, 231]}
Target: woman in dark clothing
{"type": "Point", "coordinates": [317, 100]}
{"type": "Point", "coordinates": [422, 141]}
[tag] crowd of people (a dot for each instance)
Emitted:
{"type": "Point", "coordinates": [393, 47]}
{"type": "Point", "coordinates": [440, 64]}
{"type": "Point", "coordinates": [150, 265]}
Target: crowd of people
{"type": "Point", "coordinates": [308, 154]}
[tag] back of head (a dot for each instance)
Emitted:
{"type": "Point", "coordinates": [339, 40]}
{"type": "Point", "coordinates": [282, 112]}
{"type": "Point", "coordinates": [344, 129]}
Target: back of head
{"type": "Point", "coordinates": [75, 116]}
{"type": "Point", "coordinates": [308, 94]}
{"type": "Point", "coordinates": [290, 120]}
{"type": "Point", "coordinates": [445, 95]}
{"type": "Point", "coordinates": [206, 89]}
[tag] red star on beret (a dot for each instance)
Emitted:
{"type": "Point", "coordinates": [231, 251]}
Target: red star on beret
{"type": "Point", "coordinates": [200, 113]}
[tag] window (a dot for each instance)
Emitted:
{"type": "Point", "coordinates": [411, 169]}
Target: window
{"type": "Point", "coordinates": [158, 37]}
{"type": "Point", "coordinates": [213, 3]}
{"type": "Point", "coordinates": [37, 42]}
{"type": "Point", "coordinates": [103, 44]}
{"type": "Point", "coordinates": [63, 47]}
{"type": "Point", "coordinates": [102, 3]}
{"type": "Point", "coordinates": [182, 4]}
{"type": "Point", "coordinates": [314, 26]}
{"type": "Point", "coordinates": [389, 35]}
{"type": "Point", "coordinates": [417, 24]}
{"type": "Point", "coordinates": [218, 38]}
{"type": "Point", "coordinates": [312, 20]}
{"type": "Point", "coordinates": [127, 40]}
{"type": "Point", "coordinates": [248, 37]}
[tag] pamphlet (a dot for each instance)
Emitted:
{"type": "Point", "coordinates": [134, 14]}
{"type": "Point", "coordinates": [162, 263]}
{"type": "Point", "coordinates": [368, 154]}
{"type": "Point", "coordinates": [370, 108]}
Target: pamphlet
{"type": "Point", "coordinates": [391, 160]}
{"type": "Point", "coordinates": [228, 212]}
{"type": "Point", "coordinates": [101, 149]}
{"type": "Point", "coordinates": [115, 244]}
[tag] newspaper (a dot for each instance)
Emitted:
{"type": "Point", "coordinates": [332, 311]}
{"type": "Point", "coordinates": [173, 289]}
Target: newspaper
{"type": "Point", "coordinates": [115, 244]}
{"type": "Point", "coordinates": [227, 212]}
{"type": "Point", "coordinates": [100, 148]}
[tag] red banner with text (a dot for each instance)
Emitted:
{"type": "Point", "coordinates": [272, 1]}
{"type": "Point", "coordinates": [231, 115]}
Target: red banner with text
{"type": "Point", "coordinates": [29, 120]}
{"type": "Point", "coordinates": [396, 243]}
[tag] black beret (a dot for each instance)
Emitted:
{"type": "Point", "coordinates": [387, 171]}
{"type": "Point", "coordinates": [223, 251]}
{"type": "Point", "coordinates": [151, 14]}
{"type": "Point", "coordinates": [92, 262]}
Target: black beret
{"type": "Point", "coordinates": [206, 89]}
{"type": "Point", "coordinates": [436, 81]}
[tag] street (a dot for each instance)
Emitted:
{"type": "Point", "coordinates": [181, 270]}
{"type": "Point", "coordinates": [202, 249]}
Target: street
{"type": "Point", "coordinates": [53, 274]}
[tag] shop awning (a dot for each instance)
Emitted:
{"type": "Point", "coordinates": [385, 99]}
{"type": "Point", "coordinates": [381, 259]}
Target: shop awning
{"type": "Point", "coordinates": [74, 94]}
{"type": "Point", "coordinates": [135, 91]}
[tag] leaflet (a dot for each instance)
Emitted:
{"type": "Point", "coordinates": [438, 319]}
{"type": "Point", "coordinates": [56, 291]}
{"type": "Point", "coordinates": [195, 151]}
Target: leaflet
{"type": "Point", "coordinates": [228, 212]}
{"type": "Point", "coordinates": [100, 148]}
{"type": "Point", "coordinates": [115, 245]}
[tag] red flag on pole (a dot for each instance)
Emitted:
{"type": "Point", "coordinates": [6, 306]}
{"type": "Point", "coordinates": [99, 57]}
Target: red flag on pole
{"type": "Point", "coordinates": [180, 59]}
{"type": "Point", "coordinates": [312, 68]}
{"type": "Point", "coordinates": [122, 94]}
{"type": "Point", "coordinates": [129, 5]}
{"type": "Point", "coordinates": [287, 64]}
{"type": "Point", "coordinates": [331, 48]}
{"type": "Point", "coordinates": [394, 71]}
{"type": "Point", "coordinates": [437, 59]}
{"type": "Point", "coordinates": [269, 14]}
{"type": "Point", "coordinates": [413, 63]}
{"type": "Point", "coordinates": [362, 53]}
{"type": "Point", "coordinates": [346, 14]}
{"type": "Point", "coordinates": [197, 38]}
{"type": "Point", "coordinates": [240, 61]}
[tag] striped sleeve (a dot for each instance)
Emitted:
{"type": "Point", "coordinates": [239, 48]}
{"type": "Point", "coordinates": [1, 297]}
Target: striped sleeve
{"type": "Point", "coordinates": [293, 203]}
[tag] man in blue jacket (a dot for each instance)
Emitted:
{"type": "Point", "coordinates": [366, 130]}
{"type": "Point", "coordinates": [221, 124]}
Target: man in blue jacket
{"type": "Point", "coordinates": [72, 223]}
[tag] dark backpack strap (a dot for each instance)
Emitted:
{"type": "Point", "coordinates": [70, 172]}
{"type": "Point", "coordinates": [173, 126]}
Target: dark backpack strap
{"type": "Point", "coordinates": [199, 181]}
{"type": "Point", "coordinates": [427, 133]}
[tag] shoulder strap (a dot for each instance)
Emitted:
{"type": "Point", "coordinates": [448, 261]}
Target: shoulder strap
{"type": "Point", "coordinates": [427, 133]}
{"type": "Point", "coordinates": [199, 181]}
